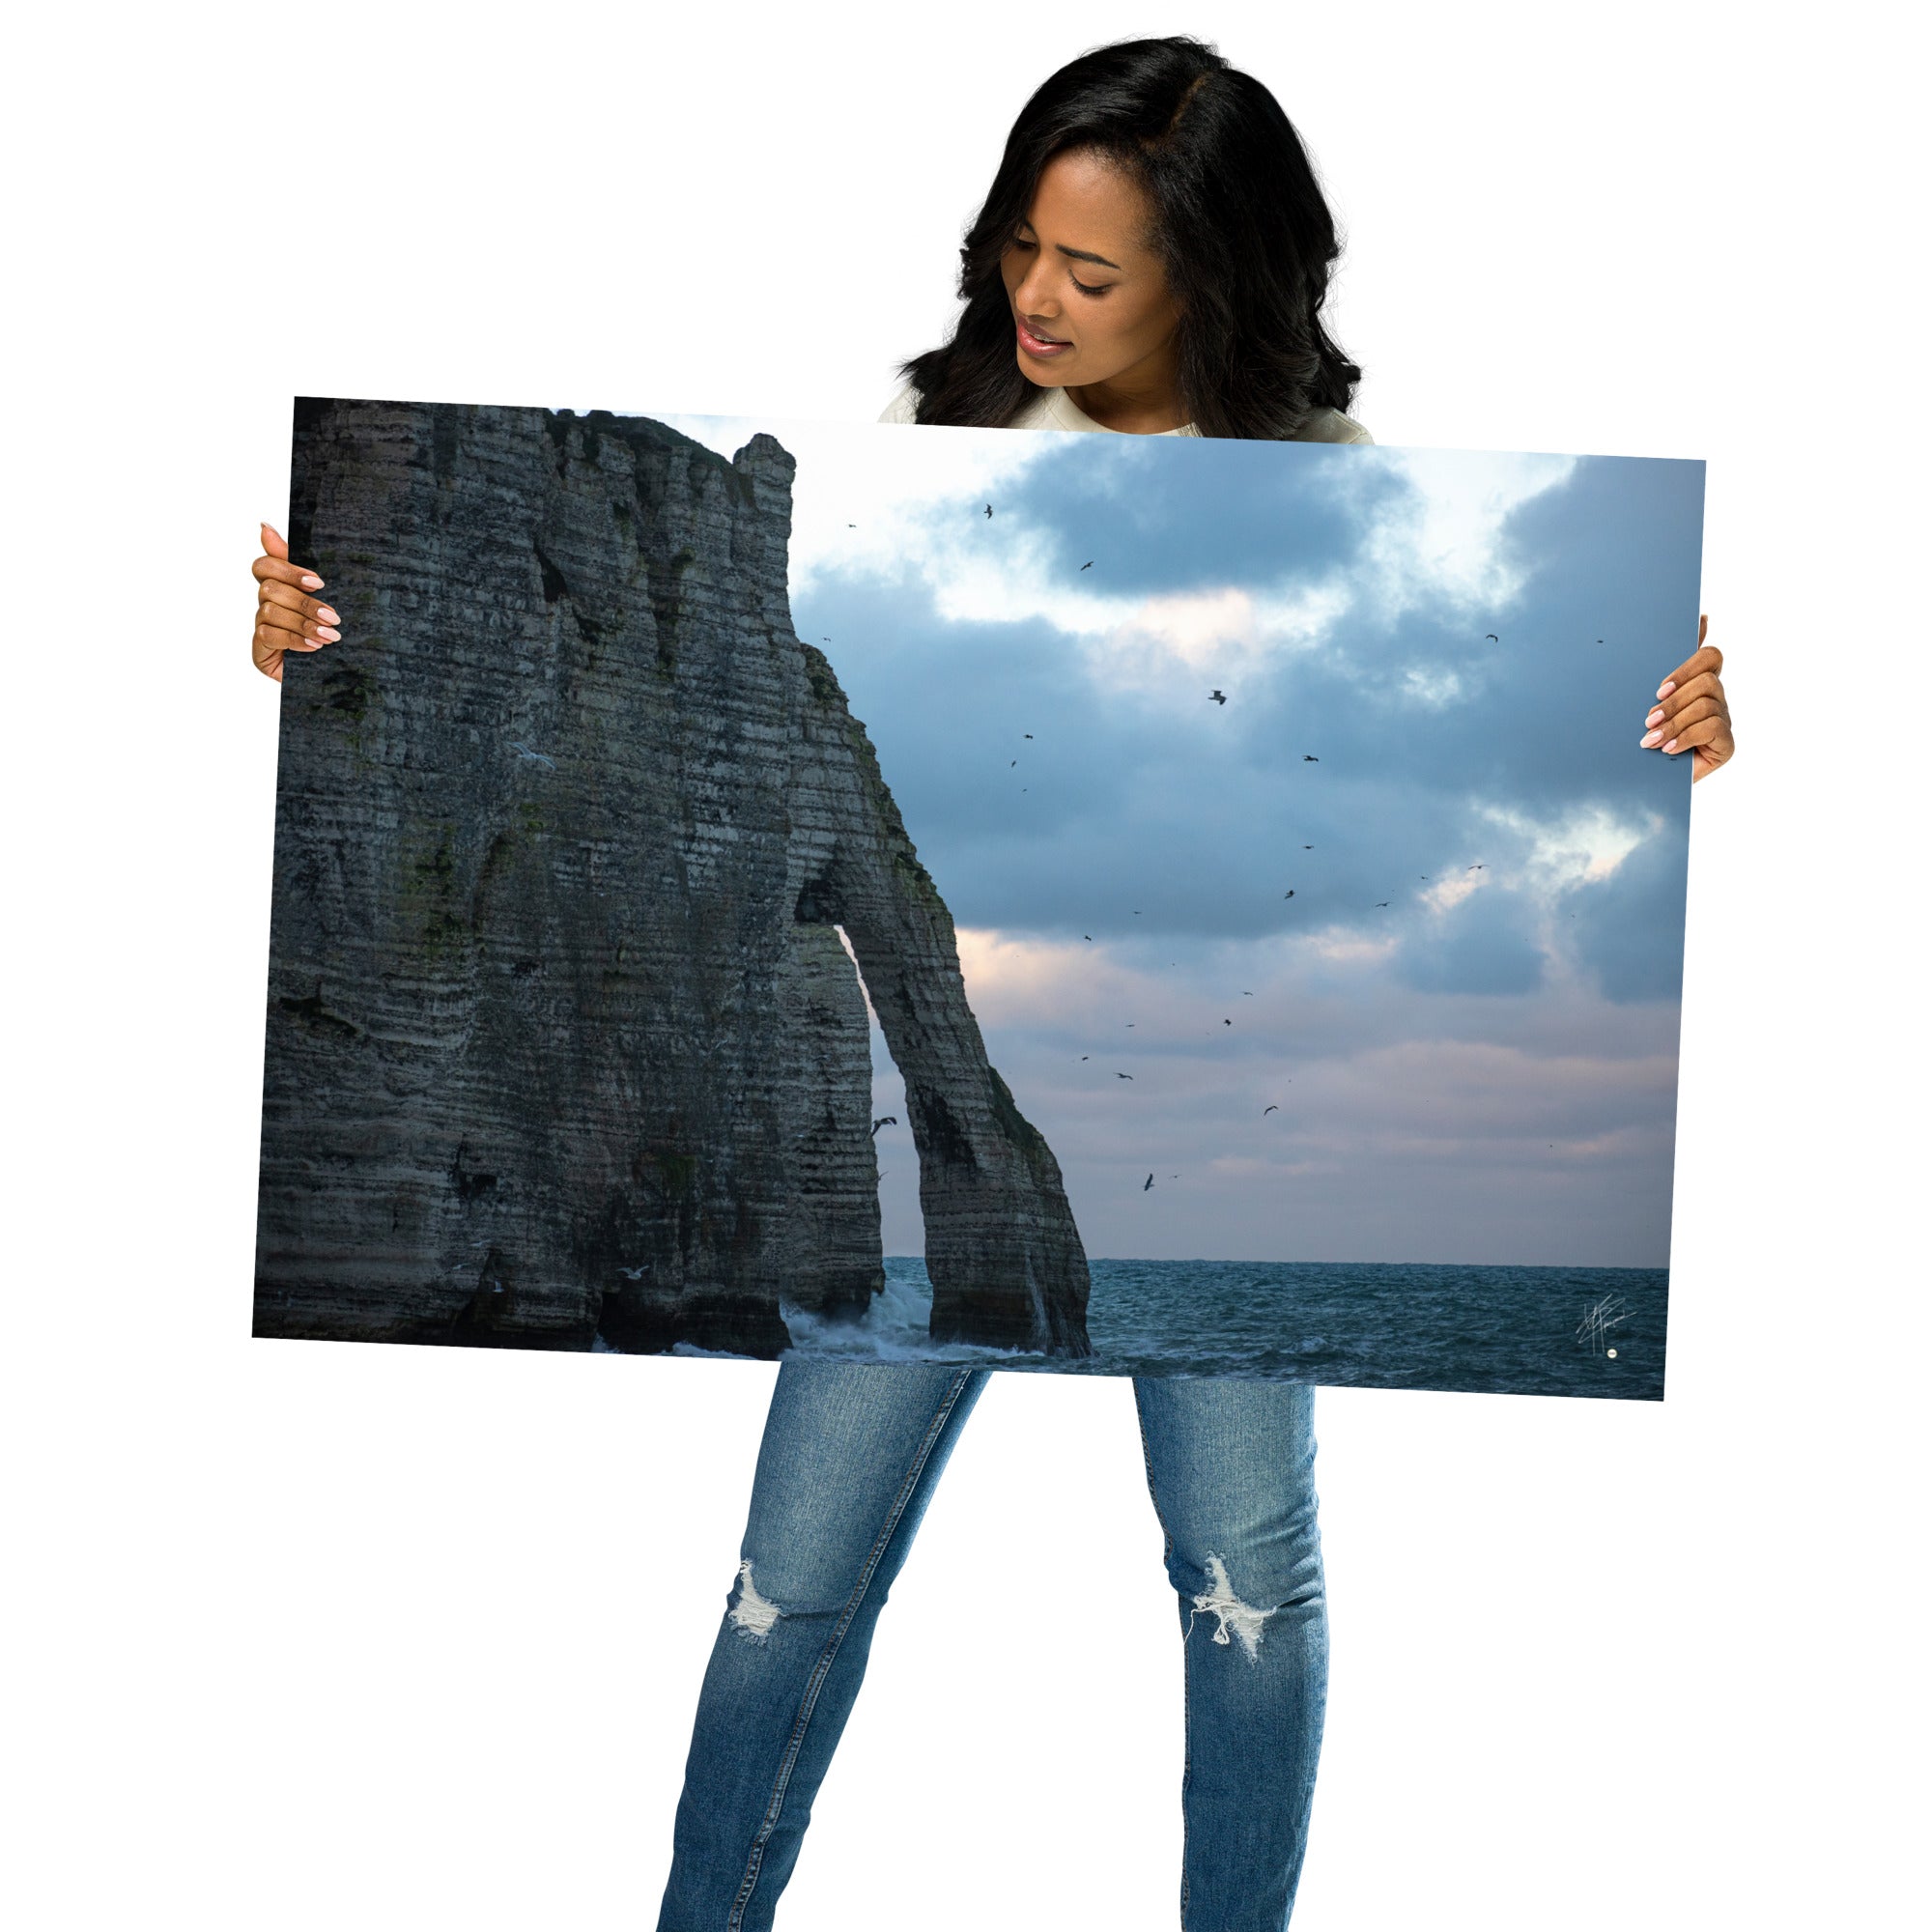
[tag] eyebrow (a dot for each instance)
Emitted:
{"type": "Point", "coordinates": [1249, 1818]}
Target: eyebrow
{"type": "Point", "coordinates": [1078, 255]}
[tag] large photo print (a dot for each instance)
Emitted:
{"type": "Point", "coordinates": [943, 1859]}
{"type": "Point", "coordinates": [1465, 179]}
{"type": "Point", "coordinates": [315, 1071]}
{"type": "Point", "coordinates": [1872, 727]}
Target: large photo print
{"type": "Point", "coordinates": [1107, 905]}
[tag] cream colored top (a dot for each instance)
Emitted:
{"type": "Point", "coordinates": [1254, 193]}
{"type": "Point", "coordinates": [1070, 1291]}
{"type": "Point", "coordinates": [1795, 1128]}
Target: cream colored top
{"type": "Point", "coordinates": [1054, 408]}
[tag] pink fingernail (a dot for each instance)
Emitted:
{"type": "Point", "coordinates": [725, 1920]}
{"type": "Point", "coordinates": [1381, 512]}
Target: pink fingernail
{"type": "Point", "coordinates": [327, 615]}
{"type": "Point", "coordinates": [328, 636]}
{"type": "Point", "coordinates": [1653, 719]}
{"type": "Point", "coordinates": [310, 580]}
{"type": "Point", "coordinates": [1651, 739]}
{"type": "Point", "coordinates": [1673, 745]}
{"type": "Point", "coordinates": [1664, 689]}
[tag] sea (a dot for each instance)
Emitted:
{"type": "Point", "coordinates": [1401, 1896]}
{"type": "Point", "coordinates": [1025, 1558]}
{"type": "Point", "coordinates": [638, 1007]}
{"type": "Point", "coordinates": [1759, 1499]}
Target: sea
{"type": "Point", "coordinates": [1571, 1332]}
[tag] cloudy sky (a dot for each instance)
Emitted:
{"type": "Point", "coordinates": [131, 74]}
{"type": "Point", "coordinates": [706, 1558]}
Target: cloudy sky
{"type": "Point", "coordinates": [1483, 1070]}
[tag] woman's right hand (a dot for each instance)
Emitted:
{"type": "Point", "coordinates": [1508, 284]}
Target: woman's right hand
{"type": "Point", "coordinates": [286, 620]}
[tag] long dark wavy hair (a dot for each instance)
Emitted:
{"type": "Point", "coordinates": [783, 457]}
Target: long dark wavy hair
{"type": "Point", "coordinates": [1239, 227]}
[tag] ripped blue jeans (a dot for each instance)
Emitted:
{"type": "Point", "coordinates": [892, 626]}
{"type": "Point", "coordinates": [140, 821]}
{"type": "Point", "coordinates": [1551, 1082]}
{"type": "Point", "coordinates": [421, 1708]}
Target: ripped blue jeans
{"type": "Point", "coordinates": [851, 1455]}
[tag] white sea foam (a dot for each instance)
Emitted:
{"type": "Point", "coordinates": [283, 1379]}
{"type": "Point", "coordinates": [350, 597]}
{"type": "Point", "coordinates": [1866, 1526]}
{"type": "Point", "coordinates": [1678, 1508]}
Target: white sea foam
{"type": "Point", "coordinates": [895, 1328]}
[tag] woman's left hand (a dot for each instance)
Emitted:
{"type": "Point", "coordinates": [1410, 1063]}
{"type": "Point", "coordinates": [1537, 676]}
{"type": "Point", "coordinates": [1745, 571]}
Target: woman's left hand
{"type": "Point", "coordinates": [1690, 714]}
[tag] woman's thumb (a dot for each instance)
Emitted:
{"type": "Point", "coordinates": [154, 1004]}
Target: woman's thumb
{"type": "Point", "coordinates": [272, 544]}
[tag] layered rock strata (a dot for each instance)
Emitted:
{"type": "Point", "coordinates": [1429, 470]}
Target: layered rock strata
{"type": "Point", "coordinates": [562, 1041]}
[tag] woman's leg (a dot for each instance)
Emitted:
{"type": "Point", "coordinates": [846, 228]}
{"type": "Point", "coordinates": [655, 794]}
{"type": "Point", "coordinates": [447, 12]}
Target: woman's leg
{"type": "Point", "coordinates": [1231, 1465]}
{"type": "Point", "coordinates": [850, 1457]}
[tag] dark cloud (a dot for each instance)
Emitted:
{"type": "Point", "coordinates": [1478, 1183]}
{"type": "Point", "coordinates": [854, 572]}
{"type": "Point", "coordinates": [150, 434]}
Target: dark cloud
{"type": "Point", "coordinates": [1628, 928]}
{"type": "Point", "coordinates": [1186, 515]}
{"type": "Point", "coordinates": [1486, 943]}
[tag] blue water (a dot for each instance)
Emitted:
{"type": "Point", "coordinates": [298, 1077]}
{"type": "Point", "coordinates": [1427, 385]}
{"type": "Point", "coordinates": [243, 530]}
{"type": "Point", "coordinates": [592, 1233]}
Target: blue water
{"type": "Point", "coordinates": [1502, 1331]}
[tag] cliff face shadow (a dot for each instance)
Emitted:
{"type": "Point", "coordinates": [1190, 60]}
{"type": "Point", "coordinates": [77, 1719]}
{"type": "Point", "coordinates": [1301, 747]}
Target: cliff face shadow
{"type": "Point", "coordinates": [561, 1041]}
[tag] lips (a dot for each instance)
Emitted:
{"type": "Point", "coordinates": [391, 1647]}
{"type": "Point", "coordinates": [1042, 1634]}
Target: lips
{"type": "Point", "coordinates": [1040, 335]}
{"type": "Point", "coordinates": [1038, 347]}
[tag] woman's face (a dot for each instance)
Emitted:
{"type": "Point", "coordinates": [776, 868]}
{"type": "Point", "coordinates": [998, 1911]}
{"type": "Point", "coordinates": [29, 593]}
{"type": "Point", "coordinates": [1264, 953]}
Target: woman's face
{"type": "Point", "coordinates": [1075, 271]}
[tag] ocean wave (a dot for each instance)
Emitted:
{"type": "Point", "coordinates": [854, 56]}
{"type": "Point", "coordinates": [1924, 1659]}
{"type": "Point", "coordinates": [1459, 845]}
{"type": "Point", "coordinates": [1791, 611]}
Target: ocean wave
{"type": "Point", "coordinates": [895, 1328]}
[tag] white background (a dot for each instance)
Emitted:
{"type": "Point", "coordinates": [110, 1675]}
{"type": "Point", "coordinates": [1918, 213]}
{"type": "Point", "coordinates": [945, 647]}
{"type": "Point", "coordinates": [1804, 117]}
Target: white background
{"type": "Point", "coordinates": [316, 1636]}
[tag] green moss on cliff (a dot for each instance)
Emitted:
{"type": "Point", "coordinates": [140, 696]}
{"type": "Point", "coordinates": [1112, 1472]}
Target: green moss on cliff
{"type": "Point", "coordinates": [426, 902]}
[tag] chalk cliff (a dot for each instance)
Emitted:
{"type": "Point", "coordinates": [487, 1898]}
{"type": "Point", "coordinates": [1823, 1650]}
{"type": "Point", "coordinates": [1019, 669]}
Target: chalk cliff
{"type": "Point", "coordinates": [562, 1043]}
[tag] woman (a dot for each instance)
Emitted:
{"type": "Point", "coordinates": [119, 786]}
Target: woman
{"type": "Point", "coordinates": [1151, 259]}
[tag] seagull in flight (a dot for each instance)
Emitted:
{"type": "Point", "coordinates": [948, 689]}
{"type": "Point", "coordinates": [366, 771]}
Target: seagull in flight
{"type": "Point", "coordinates": [1123, 1076]}
{"type": "Point", "coordinates": [1217, 696]}
{"type": "Point", "coordinates": [1089, 565]}
{"type": "Point", "coordinates": [535, 756]}
{"type": "Point", "coordinates": [885, 1121]}
{"type": "Point", "coordinates": [632, 1274]}
{"type": "Point", "coordinates": [1147, 1183]}
{"type": "Point", "coordinates": [989, 509]}
{"type": "Point", "coordinates": [1490, 637]}
{"type": "Point", "coordinates": [1267, 1111]}
{"type": "Point", "coordinates": [1309, 758]}
{"type": "Point", "coordinates": [1290, 894]}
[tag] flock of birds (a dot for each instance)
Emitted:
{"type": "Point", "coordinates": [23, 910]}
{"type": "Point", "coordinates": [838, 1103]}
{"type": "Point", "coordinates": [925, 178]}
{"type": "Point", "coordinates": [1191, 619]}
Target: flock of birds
{"type": "Point", "coordinates": [1218, 696]}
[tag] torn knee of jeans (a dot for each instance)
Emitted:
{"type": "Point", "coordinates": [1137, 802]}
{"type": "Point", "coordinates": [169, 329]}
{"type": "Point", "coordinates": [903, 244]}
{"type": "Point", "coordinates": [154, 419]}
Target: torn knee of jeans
{"type": "Point", "coordinates": [1243, 1619]}
{"type": "Point", "coordinates": [752, 1614]}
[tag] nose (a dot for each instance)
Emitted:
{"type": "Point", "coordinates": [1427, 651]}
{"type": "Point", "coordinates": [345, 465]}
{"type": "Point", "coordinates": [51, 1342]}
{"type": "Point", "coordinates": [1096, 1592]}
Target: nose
{"type": "Point", "coordinates": [1030, 305]}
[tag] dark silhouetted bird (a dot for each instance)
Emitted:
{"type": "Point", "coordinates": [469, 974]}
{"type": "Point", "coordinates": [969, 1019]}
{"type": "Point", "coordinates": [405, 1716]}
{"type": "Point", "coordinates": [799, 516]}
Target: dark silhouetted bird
{"type": "Point", "coordinates": [1472, 868]}
{"type": "Point", "coordinates": [885, 1121]}
{"type": "Point", "coordinates": [1491, 638]}
{"type": "Point", "coordinates": [1217, 696]}
{"type": "Point", "coordinates": [1290, 894]}
{"type": "Point", "coordinates": [1381, 903]}
{"type": "Point", "coordinates": [1309, 758]}
{"type": "Point", "coordinates": [1267, 1111]}
{"type": "Point", "coordinates": [1245, 994]}
{"type": "Point", "coordinates": [1089, 565]}
{"type": "Point", "coordinates": [1147, 1183]}
{"type": "Point", "coordinates": [1011, 762]}
{"type": "Point", "coordinates": [989, 509]}
{"type": "Point", "coordinates": [1227, 1023]}
{"type": "Point", "coordinates": [1308, 848]}
{"type": "Point", "coordinates": [1123, 1076]}
{"type": "Point", "coordinates": [1086, 936]}
{"type": "Point", "coordinates": [1026, 734]}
